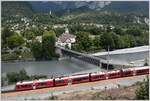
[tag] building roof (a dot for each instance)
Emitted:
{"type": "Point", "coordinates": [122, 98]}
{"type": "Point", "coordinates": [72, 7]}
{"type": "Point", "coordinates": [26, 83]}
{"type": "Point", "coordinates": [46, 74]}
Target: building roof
{"type": "Point", "coordinates": [66, 36]}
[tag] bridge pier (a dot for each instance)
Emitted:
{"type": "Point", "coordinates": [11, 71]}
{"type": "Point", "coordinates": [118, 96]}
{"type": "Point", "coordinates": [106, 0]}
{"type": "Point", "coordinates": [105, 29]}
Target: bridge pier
{"type": "Point", "coordinates": [81, 56]}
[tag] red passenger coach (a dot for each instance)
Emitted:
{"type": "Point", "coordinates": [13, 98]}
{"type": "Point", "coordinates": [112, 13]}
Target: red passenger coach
{"type": "Point", "coordinates": [114, 74]}
{"type": "Point", "coordinates": [98, 76]}
{"type": "Point", "coordinates": [62, 81]}
{"type": "Point", "coordinates": [43, 83]}
{"type": "Point", "coordinates": [80, 78]}
{"type": "Point", "coordinates": [127, 72]}
{"type": "Point", "coordinates": [26, 85]}
{"type": "Point", "coordinates": [142, 70]}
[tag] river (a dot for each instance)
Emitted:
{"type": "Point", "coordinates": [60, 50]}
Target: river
{"type": "Point", "coordinates": [48, 68]}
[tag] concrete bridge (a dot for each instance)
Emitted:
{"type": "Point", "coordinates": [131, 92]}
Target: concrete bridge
{"type": "Point", "coordinates": [81, 56]}
{"type": "Point", "coordinates": [121, 57]}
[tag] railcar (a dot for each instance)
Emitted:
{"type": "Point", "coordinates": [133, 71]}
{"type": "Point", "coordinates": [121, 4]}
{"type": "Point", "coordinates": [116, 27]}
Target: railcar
{"type": "Point", "coordinates": [142, 70]}
{"type": "Point", "coordinates": [97, 76]}
{"type": "Point", "coordinates": [80, 78]}
{"type": "Point", "coordinates": [113, 74]}
{"type": "Point", "coordinates": [26, 85]}
{"type": "Point", "coordinates": [127, 72]}
{"type": "Point", "coordinates": [61, 81]}
{"type": "Point", "coordinates": [43, 83]}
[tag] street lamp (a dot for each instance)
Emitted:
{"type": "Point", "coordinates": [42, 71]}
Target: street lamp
{"type": "Point", "coordinates": [108, 59]}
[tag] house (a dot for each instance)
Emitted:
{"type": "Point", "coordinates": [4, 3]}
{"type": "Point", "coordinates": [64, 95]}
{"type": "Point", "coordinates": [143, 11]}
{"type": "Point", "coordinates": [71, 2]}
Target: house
{"type": "Point", "coordinates": [39, 38]}
{"type": "Point", "coordinates": [66, 39]}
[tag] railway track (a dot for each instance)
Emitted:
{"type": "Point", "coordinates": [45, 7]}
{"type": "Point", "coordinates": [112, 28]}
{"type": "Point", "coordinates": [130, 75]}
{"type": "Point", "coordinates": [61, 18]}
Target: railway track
{"type": "Point", "coordinates": [14, 91]}
{"type": "Point", "coordinates": [47, 92]}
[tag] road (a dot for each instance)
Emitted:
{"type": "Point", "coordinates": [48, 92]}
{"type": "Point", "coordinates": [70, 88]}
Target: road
{"type": "Point", "coordinates": [129, 56]}
{"type": "Point", "coordinates": [46, 92]}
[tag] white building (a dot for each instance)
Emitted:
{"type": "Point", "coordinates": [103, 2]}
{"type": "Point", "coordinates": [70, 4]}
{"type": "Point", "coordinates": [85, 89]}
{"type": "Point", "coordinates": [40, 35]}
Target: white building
{"type": "Point", "coordinates": [66, 39]}
{"type": "Point", "coordinates": [39, 38]}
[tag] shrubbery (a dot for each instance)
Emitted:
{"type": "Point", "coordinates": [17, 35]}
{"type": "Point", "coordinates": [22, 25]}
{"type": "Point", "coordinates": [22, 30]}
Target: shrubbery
{"type": "Point", "coordinates": [142, 93]}
{"type": "Point", "coordinates": [14, 77]}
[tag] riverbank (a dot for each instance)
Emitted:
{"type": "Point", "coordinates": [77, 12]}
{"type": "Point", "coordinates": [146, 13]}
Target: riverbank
{"type": "Point", "coordinates": [28, 60]}
{"type": "Point", "coordinates": [122, 93]}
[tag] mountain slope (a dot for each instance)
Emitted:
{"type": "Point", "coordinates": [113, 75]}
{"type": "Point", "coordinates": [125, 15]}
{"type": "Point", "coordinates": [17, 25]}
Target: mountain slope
{"type": "Point", "coordinates": [134, 7]}
{"type": "Point", "coordinates": [16, 8]}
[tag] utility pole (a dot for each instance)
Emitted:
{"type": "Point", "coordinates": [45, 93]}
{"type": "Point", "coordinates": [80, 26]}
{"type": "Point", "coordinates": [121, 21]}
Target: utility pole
{"type": "Point", "coordinates": [100, 65]}
{"type": "Point", "coordinates": [108, 59]}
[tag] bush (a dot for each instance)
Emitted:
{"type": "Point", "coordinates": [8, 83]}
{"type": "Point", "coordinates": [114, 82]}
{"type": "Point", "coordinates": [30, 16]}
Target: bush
{"type": "Point", "coordinates": [142, 93]}
{"type": "Point", "coordinates": [21, 76]}
{"type": "Point", "coordinates": [34, 77]}
{"type": "Point", "coordinates": [146, 62]}
{"type": "Point", "coordinates": [15, 77]}
{"type": "Point", "coordinates": [9, 56]}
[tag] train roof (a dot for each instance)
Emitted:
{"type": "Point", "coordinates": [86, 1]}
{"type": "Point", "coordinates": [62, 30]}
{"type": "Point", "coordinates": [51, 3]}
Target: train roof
{"type": "Point", "coordinates": [60, 78]}
{"type": "Point", "coordinates": [43, 80]}
{"type": "Point", "coordinates": [24, 82]}
{"type": "Point", "coordinates": [98, 73]}
{"type": "Point", "coordinates": [114, 71]}
{"type": "Point", "coordinates": [138, 68]}
{"type": "Point", "coordinates": [76, 76]}
{"type": "Point", "coordinates": [127, 69]}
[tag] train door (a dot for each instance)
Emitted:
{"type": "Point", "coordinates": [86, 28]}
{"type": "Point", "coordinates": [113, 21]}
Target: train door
{"type": "Point", "coordinates": [134, 72]}
{"type": "Point", "coordinates": [107, 76]}
{"type": "Point", "coordinates": [69, 81]}
{"type": "Point", "coordinates": [34, 86]}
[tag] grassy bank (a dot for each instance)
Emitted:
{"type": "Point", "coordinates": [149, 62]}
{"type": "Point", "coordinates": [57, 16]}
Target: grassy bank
{"type": "Point", "coordinates": [120, 93]}
{"type": "Point", "coordinates": [14, 56]}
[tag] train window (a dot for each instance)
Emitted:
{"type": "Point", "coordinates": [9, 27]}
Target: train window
{"type": "Point", "coordinates": [100, 76]}
{"type": "Point", "coordinates": [60, 81]}
{"type": "Point", "coordinates": [114, 74]}
{"type": "Point", "coordinates": [127, 72]}
{"type": "Point", "coordinates": [84, 78]}
{"type": "Point", "coordinates": [23, 86]}
{"type": "Point", "coordinates": [77, 79]}
{"type": "Point", "coordinates": [43, 84]}
{"type": "Point", "coordinates": [80, 79]}
{"type": "Point", "coordinates": [18, 86]}
{"type": "Point", "coordinates": [140, 71]}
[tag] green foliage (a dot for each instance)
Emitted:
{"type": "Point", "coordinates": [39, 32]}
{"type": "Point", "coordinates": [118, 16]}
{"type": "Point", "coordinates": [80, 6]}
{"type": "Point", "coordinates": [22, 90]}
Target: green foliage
{"type": "Point", "coordinates": [107, 40]}
{"type": "Point", "coordinates": [6, 33]}
{"type": "Point", "coordinates": [134, 32]}
{"type": "Point", "coordinates": [59, 31]}
{"type": "Point", "coordinates": [48, 44]}
{"type": "Point", "coordinates": [142, 93]}
{"type": "Point", "coordinates": [119, 31]}
{"type": "Point", "coordinates": [15, 40]}
{"type": "Point", "coordinates": [146, 62]}
{"type": "Point", "coordinates": [46, 49]}
{"type": "Point", "coordinates": [3, 80]}
{"type": "Point", "coordinates": [97, 42]}
{"type": "Point", "coordinates": [29, 35]}
{"type": "Point", "coordinates": [36, 49]}
{"type": "Point", "coordinates": [66, 46]}
{"type": "Point", "coordinates": [129, 41]}
{"type": "Point", "coordinates": [35, 77]}
{"type": "Point", "coordinates": [83, 41]}
{"type": "Point", "coordinates": [15, 77]}
{"type": "Point", "coordinates": [37, 31]}
{"type": "Point", "coordinates": [9, 56]}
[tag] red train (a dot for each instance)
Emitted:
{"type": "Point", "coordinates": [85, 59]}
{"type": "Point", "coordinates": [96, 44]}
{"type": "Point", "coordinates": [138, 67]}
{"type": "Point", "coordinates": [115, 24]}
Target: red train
{"type": "Point", "coordinates": [81, 78]}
